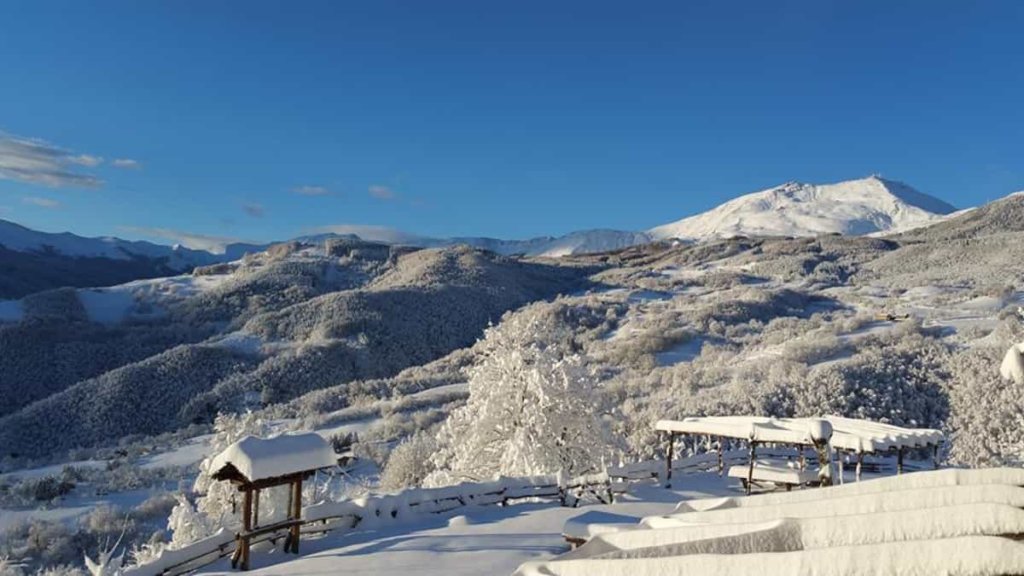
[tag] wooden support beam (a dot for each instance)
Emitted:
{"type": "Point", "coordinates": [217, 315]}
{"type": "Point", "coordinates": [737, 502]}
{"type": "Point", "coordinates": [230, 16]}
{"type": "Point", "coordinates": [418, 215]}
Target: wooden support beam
{"type": "Point", "coordinates": [296, 514]}
{"type": "Point", "coordinates": [256, 508]}
{"type": "Point", "coordinates": [860, 464]}
{"type": "Point", "coordinates": [935, 456]}
{"type": "Point", "coordinates": [750, 467]}
{"type": "Point", "coordinates": [721, 458]}
{"type": "Point", "coordinates": [668, 459]}
{"type": "Point", "coordinates": [899, 461]}
{"type": "Point", "coordinates": [247, 527]}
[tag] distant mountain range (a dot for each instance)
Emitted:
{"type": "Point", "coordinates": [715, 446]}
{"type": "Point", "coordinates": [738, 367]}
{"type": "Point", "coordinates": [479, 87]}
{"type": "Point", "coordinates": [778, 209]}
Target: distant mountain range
{"type": "Point", "coordinates": [39, 260]}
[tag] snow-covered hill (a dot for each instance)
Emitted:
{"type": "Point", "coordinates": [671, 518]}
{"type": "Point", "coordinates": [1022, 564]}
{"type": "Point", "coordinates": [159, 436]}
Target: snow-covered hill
{"type": "Point", "coordinates": [854, 207]}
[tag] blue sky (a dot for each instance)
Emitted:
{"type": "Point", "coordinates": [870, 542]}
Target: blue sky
{"type": "Point", "coordinates": [265, 120]}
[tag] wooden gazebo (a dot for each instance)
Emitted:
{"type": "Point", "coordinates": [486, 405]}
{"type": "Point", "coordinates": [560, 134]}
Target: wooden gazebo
{"type": "Point", "coordinates": [254, 464]}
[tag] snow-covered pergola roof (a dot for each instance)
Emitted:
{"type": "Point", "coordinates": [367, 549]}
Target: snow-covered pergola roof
{"type": "Point", "coordinates": [264, 458]}
{"type": "Point", "coordinates": [843, 433]}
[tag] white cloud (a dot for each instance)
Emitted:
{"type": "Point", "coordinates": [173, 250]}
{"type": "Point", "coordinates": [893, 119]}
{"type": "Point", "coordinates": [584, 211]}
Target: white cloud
{"type": "Point", "coordinates": [38, 162]}
{"type": "Point", "coordinates": [126, 163]}
{"type": "Point", "coordinates": [41, 202]}
{"type": "Point", "coordinates": [311, 190]}
{"type": "Point", "coordinates": [382, 192]}
{"type": "Point", "coordinates": [374, 234]}
{"type": "Point", "coordinates": [86, 160]}
{"type": "Point", "coordinates": [214, 244]}
{"type": "Point", "coordinates": [254, 210]}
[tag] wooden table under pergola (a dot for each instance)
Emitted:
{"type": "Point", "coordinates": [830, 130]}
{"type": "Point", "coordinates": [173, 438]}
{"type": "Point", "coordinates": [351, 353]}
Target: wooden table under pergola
{"type": "Point", "coordinates": [827, 435]}
{"type": "Point", "coordinates": [255, 464]}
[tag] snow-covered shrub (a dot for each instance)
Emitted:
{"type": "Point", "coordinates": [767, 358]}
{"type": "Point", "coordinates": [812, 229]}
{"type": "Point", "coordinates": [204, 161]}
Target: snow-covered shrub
{"type": "Point", "coordinates": [987, 417]}
{"type": "Point", "coordinates": [532, 407]}
{"type": "Point", "coordinates": [409, 463]}
{"type": "Point", "coordinates": [900, 379]}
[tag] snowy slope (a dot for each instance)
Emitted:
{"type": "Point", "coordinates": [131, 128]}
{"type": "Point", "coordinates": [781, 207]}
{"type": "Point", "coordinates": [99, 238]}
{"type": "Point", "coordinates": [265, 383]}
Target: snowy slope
{"type": "Point", "coordinates": [853, 207]}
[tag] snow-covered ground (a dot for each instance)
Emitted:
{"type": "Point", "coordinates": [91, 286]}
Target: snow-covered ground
{"type": "Point", "coordinates": [478, 541]}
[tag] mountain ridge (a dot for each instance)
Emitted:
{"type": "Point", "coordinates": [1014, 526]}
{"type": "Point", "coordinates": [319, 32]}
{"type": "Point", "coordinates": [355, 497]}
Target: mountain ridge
{"type": "Point", "coordinates": [852, 207]}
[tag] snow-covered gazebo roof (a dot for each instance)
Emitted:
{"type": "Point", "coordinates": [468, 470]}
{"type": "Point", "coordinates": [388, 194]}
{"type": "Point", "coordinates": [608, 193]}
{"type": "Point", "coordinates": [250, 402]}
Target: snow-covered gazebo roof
{"type": "Point", "coordinates": [849, 434]}
{"type": "Point", "coordinates": [253, 459]}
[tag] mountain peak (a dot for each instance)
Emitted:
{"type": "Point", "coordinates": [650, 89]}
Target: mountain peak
{"type": "Point", "coordinates": [853, 207]}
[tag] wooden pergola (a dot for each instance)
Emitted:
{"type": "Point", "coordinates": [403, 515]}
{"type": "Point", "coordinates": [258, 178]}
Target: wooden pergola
{"type": "Point", "coordinates": [827, 435]}
{"type": "Point", "coordinates": [255, 464]}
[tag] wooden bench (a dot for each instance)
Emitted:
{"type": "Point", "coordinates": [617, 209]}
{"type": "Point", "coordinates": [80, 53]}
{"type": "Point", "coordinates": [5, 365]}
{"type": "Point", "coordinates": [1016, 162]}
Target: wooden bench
{"type": "Point", "coordinates": [777, 475]}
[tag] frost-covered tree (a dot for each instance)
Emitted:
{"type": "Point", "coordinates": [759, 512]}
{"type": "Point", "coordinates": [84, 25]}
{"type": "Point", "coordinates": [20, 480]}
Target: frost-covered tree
{"type": "Point", "coordinates": [532, 407]}
{"type": "Point", "coordinates": [217, 505]}
{"type": "Point", "coordinates": [987, 419]}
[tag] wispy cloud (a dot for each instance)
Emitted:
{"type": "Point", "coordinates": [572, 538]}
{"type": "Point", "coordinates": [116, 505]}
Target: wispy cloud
{"type": "Point", "coordinates": [254, 210]}
{"type": "Point", "coordinates": [86, 160]}
{"type": "Point", "coordinates": [41, 202]}
{"type": "Point", "coordinates": [374, 234]}
{"type": "Point", "coordinates": [126, 163]}
{"type": "Point", "coordinates": [214, 244]}
{"type": "Point", "coordinates": [38, 162]}
{"type": "Point", "coordinates": [382, 192]}
{"type": "Point", "coordinates": [311, 190]}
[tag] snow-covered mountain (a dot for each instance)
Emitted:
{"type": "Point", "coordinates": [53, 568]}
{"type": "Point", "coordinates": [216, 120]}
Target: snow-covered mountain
{"type": "Point", "coordinates": [18, 238]}
{"type": "Point", "coordinates": [854, 207]}
{"type": "Point", "coordinates": [580, 242]}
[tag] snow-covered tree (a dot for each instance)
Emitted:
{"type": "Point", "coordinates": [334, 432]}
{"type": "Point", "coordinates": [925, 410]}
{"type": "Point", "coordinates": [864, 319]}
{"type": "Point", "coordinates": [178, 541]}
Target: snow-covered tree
{"type": "Point", "coordinates": [218, 504]}
{"type": "Point", "coordinates": [532, 408]}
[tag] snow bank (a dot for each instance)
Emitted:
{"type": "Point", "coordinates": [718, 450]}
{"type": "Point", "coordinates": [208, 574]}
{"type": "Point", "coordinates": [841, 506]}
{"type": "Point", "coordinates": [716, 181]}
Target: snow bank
{"type": "Point", "coordinates": [809, 533]}
{"type": "Point", "coordinates": [967, 556]}
{"type": "Point", "coordinates": [915, 481]}
{"type": "Point", "coordinates": [261, 458]}
{"type": "Point", "coordinates": [859, 504]}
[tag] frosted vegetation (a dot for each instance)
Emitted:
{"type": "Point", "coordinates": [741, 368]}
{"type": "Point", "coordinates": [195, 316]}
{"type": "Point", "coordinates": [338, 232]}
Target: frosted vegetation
{"type": "Point", "coordinates": [457, 364]}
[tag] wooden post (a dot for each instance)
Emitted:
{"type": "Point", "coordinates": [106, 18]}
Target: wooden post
{"type": "Point", "coordinates": [297, 515]}
{"type": "Point", "coordinates": [860, 463]}
{"type": "Point", "coordinates": [721, 458]}
{"type": "Point", "coordinates": [750, 468]}
{"type": "Point", "coordinates": [668, 459]}
{"type": "Point", "coordinates": [803, 458]}
{"type": "Point", "coordinates": [256, 508]}
{"type": "Point", "coordinates": [935, 456]}
{"type": "Point", "coordinates": [839, 458]}
{"type": "Point", "coordinates": [246, 527]}
{"type": "Point", "coordinates": [899, 461]}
